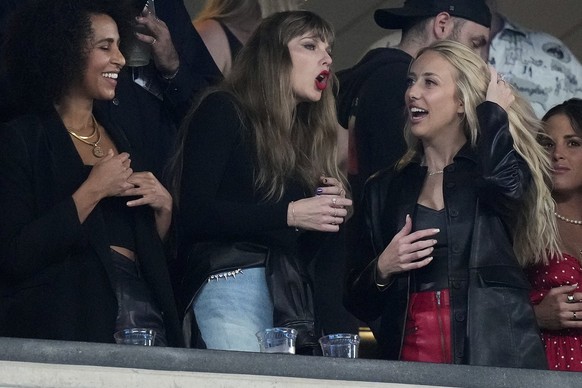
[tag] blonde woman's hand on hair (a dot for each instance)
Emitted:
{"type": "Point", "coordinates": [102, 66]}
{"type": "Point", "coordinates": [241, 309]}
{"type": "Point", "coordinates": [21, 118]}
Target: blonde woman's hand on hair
{"type": "Point", "coordinates": [407, 251]}
{"type": "Point", "coordinates": [555, 312]}
{"type": "Point", "coordinates": [323, 213]}
{"type": "Point", "coordinates": [499, 91]}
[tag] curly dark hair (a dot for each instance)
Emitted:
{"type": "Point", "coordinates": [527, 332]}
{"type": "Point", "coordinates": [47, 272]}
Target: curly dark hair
{"type": "Point", "coordinates": [44, 50]}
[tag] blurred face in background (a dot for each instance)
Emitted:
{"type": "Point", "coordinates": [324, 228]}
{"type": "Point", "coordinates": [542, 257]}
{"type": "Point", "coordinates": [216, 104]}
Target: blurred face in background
{"type": "Point", "coordinates": [565, 148]}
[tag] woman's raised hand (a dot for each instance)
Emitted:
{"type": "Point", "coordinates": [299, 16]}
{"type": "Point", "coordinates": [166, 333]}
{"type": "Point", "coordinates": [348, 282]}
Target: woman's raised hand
{"type": "Point", "coordinates": [406, 251]}
{"type": "Point", "coordinates": [499, 90]}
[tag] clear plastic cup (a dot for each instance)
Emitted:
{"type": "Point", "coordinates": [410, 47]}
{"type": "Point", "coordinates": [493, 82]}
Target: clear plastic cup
{"type": "Point", "coordinates": [136, 52]}
{"type": "Point", "coordinates": [343, 345]}
{"type": "Point", "coordinates": [135, 336]}
{"type": "Point", "coordinates": [277, 340]}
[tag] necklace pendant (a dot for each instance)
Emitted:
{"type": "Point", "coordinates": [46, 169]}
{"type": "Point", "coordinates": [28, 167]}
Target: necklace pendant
{"type": "Point", "coordinates": [98, 151]}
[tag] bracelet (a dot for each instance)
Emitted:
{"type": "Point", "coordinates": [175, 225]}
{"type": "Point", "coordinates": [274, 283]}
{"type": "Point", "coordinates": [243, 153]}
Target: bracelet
{"type": "Point", "coordinates": [293, 215]}
{"type": "Point", "coordinates": [171, 76]}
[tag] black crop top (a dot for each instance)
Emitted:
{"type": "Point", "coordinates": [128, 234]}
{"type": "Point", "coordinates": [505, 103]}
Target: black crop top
{"type": "Point", "coordinates": [119, 220]}
{"type": "Point", "coordinates": [434, 276]}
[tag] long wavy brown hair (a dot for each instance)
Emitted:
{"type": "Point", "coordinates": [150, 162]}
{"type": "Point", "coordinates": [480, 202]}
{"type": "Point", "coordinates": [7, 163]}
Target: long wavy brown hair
{"type": "Point", "coordinates": [292, 141]}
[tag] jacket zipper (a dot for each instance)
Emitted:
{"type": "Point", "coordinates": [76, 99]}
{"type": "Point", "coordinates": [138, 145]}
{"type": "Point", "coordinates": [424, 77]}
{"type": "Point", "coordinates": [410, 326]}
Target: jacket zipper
{"type": "Point", "coordinates": [441, 331]}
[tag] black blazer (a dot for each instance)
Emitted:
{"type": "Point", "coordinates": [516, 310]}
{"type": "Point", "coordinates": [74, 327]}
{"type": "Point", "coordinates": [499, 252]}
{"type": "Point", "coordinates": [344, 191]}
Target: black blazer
{"type": "Point", "coordinates": [54, 271]}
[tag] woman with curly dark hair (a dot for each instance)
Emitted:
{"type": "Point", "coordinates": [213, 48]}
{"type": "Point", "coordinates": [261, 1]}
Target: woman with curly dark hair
{"type": "Point", "coordinates": [81, 252]}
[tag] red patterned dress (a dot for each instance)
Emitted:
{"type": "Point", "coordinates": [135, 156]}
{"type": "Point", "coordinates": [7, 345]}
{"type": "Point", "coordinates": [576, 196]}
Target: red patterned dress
{"type": "Point", "coordinates": [563, 347]}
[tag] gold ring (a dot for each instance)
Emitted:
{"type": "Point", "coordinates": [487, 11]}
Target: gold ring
{"type": "Point", "coordinates": [570, 299]}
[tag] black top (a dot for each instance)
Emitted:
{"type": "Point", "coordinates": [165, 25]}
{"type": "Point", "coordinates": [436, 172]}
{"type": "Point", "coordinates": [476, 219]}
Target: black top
{"type": "Point", "coordinates": [233, 42]}
{"type": "Point", "coordinates": [218, 200]}
{"type": "Point", "coordinates": [55, 272]}
{"type": "Point", "coordinates": [434, 276]}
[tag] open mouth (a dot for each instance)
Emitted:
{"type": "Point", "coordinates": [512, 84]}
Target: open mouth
{"type": "Point", "coordinates": [111, 75]}
{"type": "Point", "coordinates": [417, 113]}
{"type": "Point", "coordinates": [321, 80]}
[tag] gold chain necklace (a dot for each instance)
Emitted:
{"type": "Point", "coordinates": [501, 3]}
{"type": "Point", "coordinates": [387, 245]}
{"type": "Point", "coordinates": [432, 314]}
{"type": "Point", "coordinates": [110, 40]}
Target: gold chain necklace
{"type": "Point", "coordinates": [97, 150]}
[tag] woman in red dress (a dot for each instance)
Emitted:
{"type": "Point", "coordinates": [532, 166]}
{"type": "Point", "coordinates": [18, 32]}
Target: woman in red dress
{"type": "Point", "coordinates": [557, 284]}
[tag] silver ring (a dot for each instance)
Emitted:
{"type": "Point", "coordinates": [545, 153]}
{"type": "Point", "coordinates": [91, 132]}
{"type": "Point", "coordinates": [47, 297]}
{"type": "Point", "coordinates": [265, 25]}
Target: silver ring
{"type": "Point", "coordinates": [334, 200]}
{"type": "Point", "coordinates": [570, 299]}
{"type": "Point", "coordinates": [574, 318]}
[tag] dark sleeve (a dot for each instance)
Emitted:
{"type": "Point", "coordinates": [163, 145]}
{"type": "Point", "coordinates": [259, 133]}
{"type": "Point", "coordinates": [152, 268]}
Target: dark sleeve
{"type": "Point", "coordinates": [30, 239]}
{"type": "Point", "coordinates": [505, 174]}
{"type": "Point", "coordinates": [363, 297]}
{"type": "Point", "coordinates": [380, 118]}
{"type": "Point", "coordinates": [215, 132]}
{"type": "Point", "coordinates": [197, 69]}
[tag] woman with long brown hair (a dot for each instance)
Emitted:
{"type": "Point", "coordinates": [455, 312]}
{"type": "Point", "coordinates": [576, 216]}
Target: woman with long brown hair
{"type": "Point", "coordinates": [258, 176]}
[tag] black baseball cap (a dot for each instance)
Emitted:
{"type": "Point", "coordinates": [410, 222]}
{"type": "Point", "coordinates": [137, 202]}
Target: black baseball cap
{"type": "Point", "coordinates": [396, 18]}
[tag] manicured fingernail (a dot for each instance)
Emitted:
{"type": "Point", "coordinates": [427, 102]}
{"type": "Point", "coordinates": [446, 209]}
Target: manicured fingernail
{"type": "Point", "coordinates": [407, 217]}
{"type": "Point", "coordinates": [436, 230]}
{"type": "Point", "coordinates": [319, 190]}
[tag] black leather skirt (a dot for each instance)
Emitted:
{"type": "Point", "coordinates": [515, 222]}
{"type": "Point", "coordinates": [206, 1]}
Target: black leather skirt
{"type": "Point", "coordinates": [137, 307]}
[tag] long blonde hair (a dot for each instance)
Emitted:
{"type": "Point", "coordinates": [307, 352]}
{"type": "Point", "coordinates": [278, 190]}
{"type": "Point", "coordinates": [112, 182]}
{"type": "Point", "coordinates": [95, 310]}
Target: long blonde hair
{"type": "Point", "coordinates": [292, 141]}
{"type": "Point", "coordinates": [230, 10]}
{"type": "Point", "coordinates": [237, 10]}
{"type": "Point", "coordinates": [535, 230]}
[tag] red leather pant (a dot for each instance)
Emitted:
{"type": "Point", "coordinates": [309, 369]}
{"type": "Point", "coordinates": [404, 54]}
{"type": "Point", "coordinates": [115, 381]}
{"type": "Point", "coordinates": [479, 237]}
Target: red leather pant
{"type": "Point", "coordinates": [427, 334]}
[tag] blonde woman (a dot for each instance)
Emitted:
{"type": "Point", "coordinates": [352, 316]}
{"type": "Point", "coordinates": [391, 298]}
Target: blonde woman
{"type": "Point", "coordinates": [451, 224]}
{"type": "Point", "coordinates": [258, 177]}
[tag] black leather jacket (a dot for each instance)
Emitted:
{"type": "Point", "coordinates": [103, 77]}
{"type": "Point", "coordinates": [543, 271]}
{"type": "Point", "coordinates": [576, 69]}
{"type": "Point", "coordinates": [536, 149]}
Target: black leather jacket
{"type": "Point", "coordinates": [492, 320]}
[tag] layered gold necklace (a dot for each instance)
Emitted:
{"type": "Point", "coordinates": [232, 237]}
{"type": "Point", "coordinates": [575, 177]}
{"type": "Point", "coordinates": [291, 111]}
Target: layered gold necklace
{"type": "Point", "coordinates": [97, 150]}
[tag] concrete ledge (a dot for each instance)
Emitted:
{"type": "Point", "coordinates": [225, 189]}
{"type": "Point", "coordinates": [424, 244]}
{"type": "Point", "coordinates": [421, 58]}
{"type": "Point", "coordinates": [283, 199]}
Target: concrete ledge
{"type": "Point", "coordinates": [256, 368]}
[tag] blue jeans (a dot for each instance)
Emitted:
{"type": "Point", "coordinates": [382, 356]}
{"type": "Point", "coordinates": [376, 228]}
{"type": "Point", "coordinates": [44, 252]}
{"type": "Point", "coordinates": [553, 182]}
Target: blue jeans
{"type": "Point", "coordinates": [229, 311]}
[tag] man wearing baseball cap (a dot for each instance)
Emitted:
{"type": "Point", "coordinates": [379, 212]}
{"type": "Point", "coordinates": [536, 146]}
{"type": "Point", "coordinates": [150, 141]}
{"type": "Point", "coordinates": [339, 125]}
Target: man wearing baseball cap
{"type": "Point", "coordinates": [371, 95]}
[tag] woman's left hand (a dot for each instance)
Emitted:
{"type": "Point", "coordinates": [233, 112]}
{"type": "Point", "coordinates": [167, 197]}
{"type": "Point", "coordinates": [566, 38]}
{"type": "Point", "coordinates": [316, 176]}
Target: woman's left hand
{"type": "Point", "coordinates": [331, 186]}
{"type": "Point", "coordinates": [499, 91]}
{"type": "Point", "coordinates": [153, 194]}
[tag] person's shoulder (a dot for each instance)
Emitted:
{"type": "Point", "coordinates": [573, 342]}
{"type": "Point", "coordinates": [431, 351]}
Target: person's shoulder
{"type": "Point", "coordinates": [210, 28]}
{"type": "Point", "coordinates": [25, 123]}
